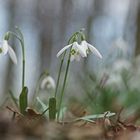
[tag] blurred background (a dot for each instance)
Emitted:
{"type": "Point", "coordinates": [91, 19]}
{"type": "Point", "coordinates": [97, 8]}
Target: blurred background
{"type": "Point", "coordinates": [112, 26]}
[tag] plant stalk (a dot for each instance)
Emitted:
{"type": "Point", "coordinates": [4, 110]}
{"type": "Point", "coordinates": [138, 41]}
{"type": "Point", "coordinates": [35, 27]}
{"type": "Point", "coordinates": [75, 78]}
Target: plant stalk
{"type": "Point", "coordinates": [64, 84]}
{"type": "Point", "coordinates": [61, 64]}
{"type": "Point", "coordinates": [59, 73]}
{"type": "Point", "coordinates": [23, 57]}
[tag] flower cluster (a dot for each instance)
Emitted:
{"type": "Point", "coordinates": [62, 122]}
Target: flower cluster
{"type": "Point", "coordinates": [80, 50]}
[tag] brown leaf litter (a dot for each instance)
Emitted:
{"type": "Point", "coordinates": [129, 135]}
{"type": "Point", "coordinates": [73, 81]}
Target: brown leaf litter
{"type": "Point", "coordinates": [34, 126]}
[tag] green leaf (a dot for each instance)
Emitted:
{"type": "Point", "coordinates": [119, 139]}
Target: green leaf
{"type": "Point", "coordinates": [43, 105]}
{"type": "Point", "coordinates": [52, 108]}
{"type": "Point", "coordinates": [23, 100]}
{"type": "Point", "coordinates": [88, 120]}
{"type": "Point", "coordinates": [97, 116]}
{"type": "Point", "coordinates": [62, 112]}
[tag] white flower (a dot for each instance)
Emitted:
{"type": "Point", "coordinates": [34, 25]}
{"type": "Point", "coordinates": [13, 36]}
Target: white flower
{"type": "Point", "coordinates": [120, 44]}
{"type": "Point", "coordinates": [88, 47]}
{"type": "Point", "coordinates": [48, 83]}
{"type": "Point", "coordinates": [6, 48]}
{"type": "Point", "coordinates": [77, 51]}
{"type": "Point", "coordinates": [120, 65]}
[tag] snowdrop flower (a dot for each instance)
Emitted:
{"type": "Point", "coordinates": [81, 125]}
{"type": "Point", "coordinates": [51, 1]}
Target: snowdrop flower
{"type": "Point", "coordinates": [115, 80]}
{"type": "Point", "coordinates": [88, 47]}
{"type": "Point", "coordinates": [6, 48]}
{"type": "Point", "coordinates": [48, 83]}
{"type": "Point", "coordinates": [120, 65]}
{"type": "Point", "coordinates": [77, 51]}
{"type": "Point", "coordinates": [120, 44]}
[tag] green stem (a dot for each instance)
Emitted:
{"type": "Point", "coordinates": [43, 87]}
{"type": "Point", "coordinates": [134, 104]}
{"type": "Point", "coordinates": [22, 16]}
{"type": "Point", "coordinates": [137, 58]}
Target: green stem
{"type": "Point", "coordinates": [59, 73]}
{"type": "Point", "coordinates": [71, 40]}
{"type": "Point", "coordinates": [61, 64]}
{"type": "Point", "coordinates": [23, 66]}
{"type": "Point", "coordinates": [23, 58]}
{"type": "Point", "coordinates": [64, 84]}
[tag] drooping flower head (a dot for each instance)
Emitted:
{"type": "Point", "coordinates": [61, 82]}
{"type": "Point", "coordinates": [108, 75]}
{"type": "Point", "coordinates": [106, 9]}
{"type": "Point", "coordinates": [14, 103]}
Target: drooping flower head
{"type": "Point", "coordinates": [76, 51]}
{"type": "Point", "coordinates": [79, 50]}
{"type": "Point", "coordinates": [5, 49]}
{"type": "Point", "coordinates": [88, 47]}
{"type": "Point", "coordinates": [48, 83]}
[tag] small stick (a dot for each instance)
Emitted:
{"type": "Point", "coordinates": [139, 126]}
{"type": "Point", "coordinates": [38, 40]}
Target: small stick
{"type": "Point", "coordinates": [13, 110]}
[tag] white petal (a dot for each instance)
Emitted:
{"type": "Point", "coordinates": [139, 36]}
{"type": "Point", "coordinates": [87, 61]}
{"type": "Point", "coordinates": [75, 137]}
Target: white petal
{"type": "Point", "coordinates": [77, 57]}
{"type": "Point", "coordinates": [43, 83]}
{"type": "Point", "coordinates": [72, 58]}
{"type": "Point", "coordinates": [94, 50]}
{"type": "Point", "coordinates": [62, 50]}
{"type": "Point", "coordinates": [52, 82]}
{"type": "Point", "coordinates": [84, 45]}
{"type": "Point", "coordinates": [48, 82]}
{"type": "Point", "coordinates": [4, 47]}
{"type": "Point", "coordinates": [81, 50]}
{"type": "Point", "coordinates": [12, 54]}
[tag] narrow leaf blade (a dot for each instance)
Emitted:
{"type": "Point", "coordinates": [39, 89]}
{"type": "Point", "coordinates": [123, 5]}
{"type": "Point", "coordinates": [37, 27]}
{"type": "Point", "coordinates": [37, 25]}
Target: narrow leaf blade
{"type": "Point", "coordinates": [52, 108]}
{"type": "Point", "coordinates": [23, 100]}
{"type": "Point", "coordinates": [96, 116]}
{"type": "Point", "coordinates": [43, 106]}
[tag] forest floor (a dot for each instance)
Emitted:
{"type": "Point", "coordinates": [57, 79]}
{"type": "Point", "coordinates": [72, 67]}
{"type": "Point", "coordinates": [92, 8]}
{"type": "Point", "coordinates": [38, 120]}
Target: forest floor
{"type": "Point", "coordinates": [33, 126]}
